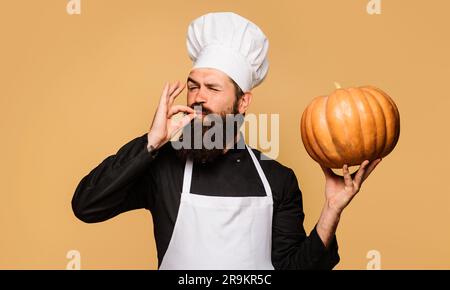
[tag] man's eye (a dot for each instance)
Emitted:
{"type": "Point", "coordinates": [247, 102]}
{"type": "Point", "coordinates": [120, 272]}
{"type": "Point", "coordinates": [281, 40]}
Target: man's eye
{"type": "Point", "coordinates": [192, 88]}
{"type": "Point", "coordinates": [213, 89]}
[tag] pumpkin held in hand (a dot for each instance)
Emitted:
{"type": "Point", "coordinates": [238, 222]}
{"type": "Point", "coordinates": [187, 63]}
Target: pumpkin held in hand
{"type": "Point", "coordinates": [350, 126]}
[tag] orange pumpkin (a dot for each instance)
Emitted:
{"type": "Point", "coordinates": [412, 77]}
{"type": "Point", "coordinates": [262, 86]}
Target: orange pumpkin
{"type": "Point", "coordinates": [350, 126]}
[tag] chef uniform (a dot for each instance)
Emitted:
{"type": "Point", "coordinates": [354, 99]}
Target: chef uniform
{"type": "Point", "coordinates": [218, 215]}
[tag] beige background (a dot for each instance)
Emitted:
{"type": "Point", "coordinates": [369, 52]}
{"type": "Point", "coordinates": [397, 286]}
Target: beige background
{"type": "Point", "coordinates": [74, 88]}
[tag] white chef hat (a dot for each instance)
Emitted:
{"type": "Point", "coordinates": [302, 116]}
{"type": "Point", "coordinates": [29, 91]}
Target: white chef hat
{"type": "Point", "coordinates": [230, 43]}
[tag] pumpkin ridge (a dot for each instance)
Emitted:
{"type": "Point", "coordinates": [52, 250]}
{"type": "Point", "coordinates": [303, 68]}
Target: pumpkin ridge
{"type": "Point", "coordinates": [310, 134]}
{"type": "Point", "coordinates": [360, 131]}
{"type": "Point", "coordinates": [397, 118]}
{"type": "Point", "coordinates": [324, 156]}
{"type": "Point", "coordinates": [333, 133]}
{"type": "Point", "coordinates": [335, 162]}
{"type": "Point", "coordinates": [372, 152]}
{"type": "Point", "coordinates": [343, 139]}
{"type": "Point", "coordinates": [386, 143]}
{"type": "Point", "coordinates": [322, 153]}
{"type": "Point", "coordinates": [305, 137]}
{"type": "Point", "coordinates": [380, 106]}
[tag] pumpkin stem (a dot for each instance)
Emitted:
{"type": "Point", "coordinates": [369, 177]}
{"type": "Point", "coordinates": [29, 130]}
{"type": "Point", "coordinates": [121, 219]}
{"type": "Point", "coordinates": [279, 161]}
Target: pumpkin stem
{"type": "Point", "coordinates": [338, 86]}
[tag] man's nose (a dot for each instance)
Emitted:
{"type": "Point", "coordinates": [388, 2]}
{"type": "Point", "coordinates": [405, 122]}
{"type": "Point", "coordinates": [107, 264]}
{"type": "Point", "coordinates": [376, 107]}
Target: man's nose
{"type": "Point", "coordinates": [200, 97]}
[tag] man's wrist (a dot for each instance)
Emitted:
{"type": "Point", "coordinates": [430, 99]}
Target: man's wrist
{"type": "Point", "coordinates": [331, 209]}
{"type": "Point", "coordinates": [153, 141]}
{"type": "Point", "coordinates": [152, 150]}
{"type": "Point", "coordinates": [328, 222]}
{"type": "Point", "coordinates": [329, 219]}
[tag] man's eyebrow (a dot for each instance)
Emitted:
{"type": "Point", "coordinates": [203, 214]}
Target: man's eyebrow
{"type": "Point", "coordinates": [192, 81]}
{"type": "Point", "coordinates": [215, 85]}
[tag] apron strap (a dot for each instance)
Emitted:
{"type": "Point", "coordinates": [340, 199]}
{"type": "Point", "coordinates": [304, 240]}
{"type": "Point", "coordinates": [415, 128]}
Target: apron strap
{"type": "Point", "coordinates": [260, 172]}
{"type": "Point", "coordinates": [187, 176]}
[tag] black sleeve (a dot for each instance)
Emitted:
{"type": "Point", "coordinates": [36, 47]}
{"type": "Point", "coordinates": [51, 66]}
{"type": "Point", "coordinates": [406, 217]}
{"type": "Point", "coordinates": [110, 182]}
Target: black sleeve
{"type": "Point", "coordinates": [116, 185]}
{"type": "Point", "coordinates": [292, 249]}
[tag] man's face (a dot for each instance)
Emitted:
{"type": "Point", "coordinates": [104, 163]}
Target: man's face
{"type": "Point", "coordinates": [214, 94]}
{"type": "Point", "coordinates": [212, 90]}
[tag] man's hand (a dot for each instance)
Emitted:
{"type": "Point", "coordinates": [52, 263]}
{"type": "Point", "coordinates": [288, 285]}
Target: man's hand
{"type": "Point", "coordinates": [339, 191]}
{"type": "Point", "coordinates": [163, 128]}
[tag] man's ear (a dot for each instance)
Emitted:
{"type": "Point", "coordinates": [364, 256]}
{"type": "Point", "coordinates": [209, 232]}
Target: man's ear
{"type": "Point", "coordinates": [244, 102]}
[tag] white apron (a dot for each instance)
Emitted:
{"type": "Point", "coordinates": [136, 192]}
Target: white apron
{"type": "Point", "coordinates": [221, 233]}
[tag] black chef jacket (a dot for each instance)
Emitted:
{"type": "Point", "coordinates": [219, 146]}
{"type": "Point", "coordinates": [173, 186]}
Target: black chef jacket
{"type": "Point", "coordinates": [134, 179]}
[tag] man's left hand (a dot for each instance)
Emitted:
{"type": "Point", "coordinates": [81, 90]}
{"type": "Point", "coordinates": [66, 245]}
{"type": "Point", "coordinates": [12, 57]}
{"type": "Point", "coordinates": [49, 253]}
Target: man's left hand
{"type": "Point", "coordinates": [340, 190]}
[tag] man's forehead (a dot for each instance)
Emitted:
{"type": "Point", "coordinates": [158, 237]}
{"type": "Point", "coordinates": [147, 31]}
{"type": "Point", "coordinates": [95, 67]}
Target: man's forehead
{"type": "Point", "coordinates": [207, 75]}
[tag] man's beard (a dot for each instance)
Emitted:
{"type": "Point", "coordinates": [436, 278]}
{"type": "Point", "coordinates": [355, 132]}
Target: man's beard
{"type": "Point", "coordinates": [204, 144]}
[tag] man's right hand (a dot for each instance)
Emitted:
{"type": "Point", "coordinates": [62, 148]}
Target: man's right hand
{"type": "Point", "coordinates": [163, 128]}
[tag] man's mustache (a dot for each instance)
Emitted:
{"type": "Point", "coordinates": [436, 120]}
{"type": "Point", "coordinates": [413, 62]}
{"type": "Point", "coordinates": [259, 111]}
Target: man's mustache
{"type": "Point", "coordinates": [200, 108]}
